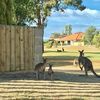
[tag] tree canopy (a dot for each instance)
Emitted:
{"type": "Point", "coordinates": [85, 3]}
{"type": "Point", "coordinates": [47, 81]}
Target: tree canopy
{"type": "Point", "coordinates": [96, 39]}
{"type": "Point", "coordinates": [37, 10]}
{"type": "Point", "coordinates": [22, 11]}
{"type": "Point", "coordinates": [67, 30]}
{"type": "Point", "coordinates": [7, 12]}
{"type": "Point", "coordinates": [89, 34]}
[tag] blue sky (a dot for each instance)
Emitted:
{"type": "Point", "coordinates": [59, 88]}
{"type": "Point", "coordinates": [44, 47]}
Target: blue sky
{"type": "Point", "coordinates": [80, 20]}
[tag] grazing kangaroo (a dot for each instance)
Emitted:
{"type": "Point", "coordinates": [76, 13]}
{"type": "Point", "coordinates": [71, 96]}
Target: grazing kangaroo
{"type": "Point", "coordinates": [40, 67]}
{"type": "Point", "coordinates": [50, 71]}
{"type": "Point", "coordinates": [86, 63]}
{"type": "Point", "coordinates": [62, 49]}
{"type": "Point", "coordinates": [59, 50]}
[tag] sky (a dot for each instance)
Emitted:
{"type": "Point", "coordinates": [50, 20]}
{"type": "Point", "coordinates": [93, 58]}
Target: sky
{"type": "Point", "coordinates": [80, 20]}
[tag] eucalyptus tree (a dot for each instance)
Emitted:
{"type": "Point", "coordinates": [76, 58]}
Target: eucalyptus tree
{"type": "Point", "coordinates": [89, 34]}
{"type": "Point", "coordinates": [7, 12]}
{"type": "Point", "coordinates": [67, 30]}
{"type": "Point", "coordinates": [36, 11]}
{"type": "Point", "coordinates": [96, 38]}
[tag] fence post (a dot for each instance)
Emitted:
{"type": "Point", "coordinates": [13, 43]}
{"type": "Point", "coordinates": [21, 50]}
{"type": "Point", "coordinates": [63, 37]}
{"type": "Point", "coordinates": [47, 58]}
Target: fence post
{"type": "Point", "coordinates": [38, 45]}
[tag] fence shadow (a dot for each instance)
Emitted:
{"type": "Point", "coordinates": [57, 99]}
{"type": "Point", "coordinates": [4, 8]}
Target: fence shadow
{"type": "Point", "coordinates": [58, 76]}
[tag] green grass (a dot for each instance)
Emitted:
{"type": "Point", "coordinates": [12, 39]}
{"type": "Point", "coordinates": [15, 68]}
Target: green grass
{"type": "Point", "coordinates": [70, 55]}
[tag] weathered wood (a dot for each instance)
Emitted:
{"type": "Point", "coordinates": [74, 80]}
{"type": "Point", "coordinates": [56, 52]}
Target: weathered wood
{"type": "Point", "coordinates": [12, 49]}
{"type": "Point", "coordinates": [8, 47]}
{"type": "Point", "coordinates": [30, 49]}
{"type": "Point", "coordinates": [26, 46]}
{"type": "Point", "coordinates": [0, 48]}
{"type": "Point", "coordinates": [17, 47]}
{"type": "Point", "coordinates": [3, 59]}
{"type": "Point", "coordinates": [33, 49]}
{"type": "Point", "coordinates": [20, 48]}
{"type": "Point", "coordinates": [38, 45]}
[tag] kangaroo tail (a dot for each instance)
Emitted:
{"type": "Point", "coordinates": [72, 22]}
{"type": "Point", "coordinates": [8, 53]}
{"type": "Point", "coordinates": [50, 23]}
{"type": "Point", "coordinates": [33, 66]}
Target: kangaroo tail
{"type": "Point", "coordinates": [95, 73]}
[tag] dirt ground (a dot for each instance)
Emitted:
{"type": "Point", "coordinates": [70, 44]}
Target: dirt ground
{"type": "Point", "coordinates": [69, 83]}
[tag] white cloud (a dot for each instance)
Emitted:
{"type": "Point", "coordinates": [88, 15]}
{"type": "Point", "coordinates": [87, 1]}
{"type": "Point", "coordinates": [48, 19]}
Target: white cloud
{"type": "Point", "coordinates": [76, 13]}
{"type": "Point", "coordinates": [80, 20]}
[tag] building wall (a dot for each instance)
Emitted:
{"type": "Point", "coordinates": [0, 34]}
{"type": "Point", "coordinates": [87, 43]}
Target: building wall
{"type": "Point", "coordinates": [78, 43]}
{"type": "Point", "coordinates": [74, 43]}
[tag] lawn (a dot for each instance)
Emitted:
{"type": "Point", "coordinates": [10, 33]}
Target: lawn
{"type": "Point", "coordinates": [69, 82]}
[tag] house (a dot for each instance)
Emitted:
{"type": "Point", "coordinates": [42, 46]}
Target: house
{"type": "Point", "coordinates": [73, 39]}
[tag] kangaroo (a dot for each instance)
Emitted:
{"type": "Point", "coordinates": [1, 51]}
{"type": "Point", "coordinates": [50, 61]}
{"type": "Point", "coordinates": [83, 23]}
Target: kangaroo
{"type": "Point", "coordinates": [79, 59]}
{"type": "Point", "coordinates": [40, 67]}
{"type": "Point", "coordinates": [86, 64]}
{"type": "Point", "coordinates": [62, 49]}
{"type": "Point", "coordinates": [50, 71]}
{"type": "Point", "coordinates": [59, 50]}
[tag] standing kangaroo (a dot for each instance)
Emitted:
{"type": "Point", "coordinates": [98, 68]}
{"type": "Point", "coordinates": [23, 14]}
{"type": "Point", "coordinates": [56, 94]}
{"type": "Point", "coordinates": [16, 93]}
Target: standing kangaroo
{"type": "Point", "coordinates": [50, 71]}
{"type": "Point", "coordinates": [86, 63]}
{"type": "Point", "coordinates": [40, 67]}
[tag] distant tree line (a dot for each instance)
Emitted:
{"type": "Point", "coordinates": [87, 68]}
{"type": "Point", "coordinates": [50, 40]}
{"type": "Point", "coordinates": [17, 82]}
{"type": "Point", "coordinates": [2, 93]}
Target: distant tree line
{"type": "Point", "coordinates": [92, 36]}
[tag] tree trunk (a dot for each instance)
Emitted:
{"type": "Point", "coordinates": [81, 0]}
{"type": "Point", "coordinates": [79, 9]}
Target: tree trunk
{"type": "Point", "coordinates": [6, 12]}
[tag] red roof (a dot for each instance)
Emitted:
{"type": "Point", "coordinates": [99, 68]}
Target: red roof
{"type": "Point", "coordinates": [73, 37]}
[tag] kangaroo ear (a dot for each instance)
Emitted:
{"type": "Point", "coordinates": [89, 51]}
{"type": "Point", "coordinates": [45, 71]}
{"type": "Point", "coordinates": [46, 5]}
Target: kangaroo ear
{"type": "Point", "coordinates": [50, 64]}
{"type": "Point", "coordinates": [79, 51]}
{"type": "Point", "coordinates": [82, 50]}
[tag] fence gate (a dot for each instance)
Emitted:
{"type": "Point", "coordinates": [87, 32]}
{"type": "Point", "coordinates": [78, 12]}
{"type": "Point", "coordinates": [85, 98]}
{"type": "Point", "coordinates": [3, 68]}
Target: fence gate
{"type": "Point", "coordinates": [20, 47]}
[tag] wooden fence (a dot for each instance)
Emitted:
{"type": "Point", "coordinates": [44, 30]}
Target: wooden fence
{"type": "Point", "coordinates": [20, 47]}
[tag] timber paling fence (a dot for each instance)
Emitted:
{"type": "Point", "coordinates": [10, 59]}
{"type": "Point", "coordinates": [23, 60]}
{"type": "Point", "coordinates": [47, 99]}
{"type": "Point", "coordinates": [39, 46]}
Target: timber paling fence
{"type": "Point", "coordinates": [20, 47]}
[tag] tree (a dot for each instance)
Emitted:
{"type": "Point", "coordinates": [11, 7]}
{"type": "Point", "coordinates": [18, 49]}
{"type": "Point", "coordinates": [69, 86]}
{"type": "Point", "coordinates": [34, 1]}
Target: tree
{"type": "Point", "coordinates": [7, 12]}
{"type": "Point", "coordinates": [89, 34]}
{"type": "Point", "coordinates": [96, 39]}
{"type": "Point", "coordinates": [55, 35]}
{"type": "Point", "coordinates": [37, 10]}
{"type": "Point", "coordinates": [33, 10]}
{"type": "Point", "coordinates": [67, 30]}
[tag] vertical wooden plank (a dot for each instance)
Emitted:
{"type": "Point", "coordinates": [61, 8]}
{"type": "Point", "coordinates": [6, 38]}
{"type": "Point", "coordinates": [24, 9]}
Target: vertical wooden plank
{"type": "Point", "coordinates": [30, 47]}
{"type": "Point", "coordinates": [3, 49]}
{"type": "Point", "coordinates": [0, 49]}
{"type": "Point", "coordinates": [22, 48]}
{"type": "Point", "coordinates": [17, 46]}
{"type": "Point", "coordinates": [33, 48]}
{"type": "Point", "coordinates": [12, 48]}
{"type": "Point", "coordinates": [2, 54]}
{"type": "Point", "coordinates": [26, 60]}
{"type": "Point", "coordinates": [38, 45]}
{"type": "Point", "coordinates": [8, 48]}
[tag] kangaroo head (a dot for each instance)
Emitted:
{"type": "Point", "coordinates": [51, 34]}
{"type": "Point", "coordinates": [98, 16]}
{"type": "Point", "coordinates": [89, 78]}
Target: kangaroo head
{"type": "Point", "coordinates": [44, 60]}
{"type": "Point", "coordinates": [50, 65]}
{"type": "Point", "coordinates": [81, 52]}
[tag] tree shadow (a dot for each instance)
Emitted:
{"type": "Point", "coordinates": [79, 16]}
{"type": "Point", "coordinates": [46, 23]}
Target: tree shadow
{"type": "Point", "coordinates": [72, 77]}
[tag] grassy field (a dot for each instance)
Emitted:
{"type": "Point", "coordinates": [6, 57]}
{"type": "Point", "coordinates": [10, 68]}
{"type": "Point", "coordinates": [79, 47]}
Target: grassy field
{"type": "Point", "coordinates": [69, 82]}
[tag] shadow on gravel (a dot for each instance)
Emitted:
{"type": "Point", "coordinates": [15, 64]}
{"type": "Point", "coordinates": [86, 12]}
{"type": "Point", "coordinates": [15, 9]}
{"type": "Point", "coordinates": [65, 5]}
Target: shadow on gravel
{"type": "Point", "coordinates": [58, 76]}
